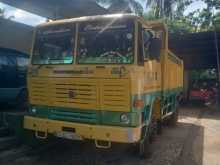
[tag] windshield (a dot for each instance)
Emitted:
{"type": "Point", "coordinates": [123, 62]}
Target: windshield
{"type": "Point", "coordinates": [105, 42]}
{"type": "Point", "coordinates": [54, 45]}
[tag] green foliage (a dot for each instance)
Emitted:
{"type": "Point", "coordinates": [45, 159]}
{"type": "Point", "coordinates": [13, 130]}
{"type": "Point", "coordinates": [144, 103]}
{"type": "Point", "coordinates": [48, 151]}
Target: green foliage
{"type": "Point", "coordinates": [150, 16]}
{"type": "Point", "coordinates": [172, 12]}
{"type": "Point", "coordinates": [168, 9]}
{"type": "Point", "coordinates": [216, 21]}
{"type": "Point", "coordinates": [203, 74]}
{"type": "Point", "coordinates": [181, 26]}
{"type": "Point", "coordinates": [198, 20]}
{"type": "Point", "coordinates": [207, 18]}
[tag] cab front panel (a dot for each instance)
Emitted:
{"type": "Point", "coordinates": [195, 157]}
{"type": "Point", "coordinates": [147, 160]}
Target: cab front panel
{"type": "Point", "coordinates": [89, 100]}
{"type": "Point", "coordinates": [82, 93]}
{"type": "Point", "coordinates": [95, 104]}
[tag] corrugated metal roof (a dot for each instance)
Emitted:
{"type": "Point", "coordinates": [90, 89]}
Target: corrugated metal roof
{"type": "Point", "coordinates": [196, 49]}
{"type": "Point", "coordinates": [58, 9]}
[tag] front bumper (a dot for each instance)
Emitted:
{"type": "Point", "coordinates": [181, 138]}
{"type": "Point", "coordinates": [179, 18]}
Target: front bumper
{"type": "Point", "coordinates": [85, 131]}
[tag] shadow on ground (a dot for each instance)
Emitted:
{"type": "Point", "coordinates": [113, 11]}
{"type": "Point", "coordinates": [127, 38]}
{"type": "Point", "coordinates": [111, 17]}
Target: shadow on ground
{"type": "Point", "coordinates": [180, 145]}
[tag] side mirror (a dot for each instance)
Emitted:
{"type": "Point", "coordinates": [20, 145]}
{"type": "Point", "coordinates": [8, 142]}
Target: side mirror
{"type": "Point", "coordinates": [155, 47]}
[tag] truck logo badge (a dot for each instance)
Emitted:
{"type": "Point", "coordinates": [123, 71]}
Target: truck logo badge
{"type": "Point", "coordinates": [72, 94]}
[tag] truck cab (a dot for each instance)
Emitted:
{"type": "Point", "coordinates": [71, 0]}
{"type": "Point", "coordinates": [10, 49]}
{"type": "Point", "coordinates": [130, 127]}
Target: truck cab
{"type": "Point", "coordinates": [106, 78]}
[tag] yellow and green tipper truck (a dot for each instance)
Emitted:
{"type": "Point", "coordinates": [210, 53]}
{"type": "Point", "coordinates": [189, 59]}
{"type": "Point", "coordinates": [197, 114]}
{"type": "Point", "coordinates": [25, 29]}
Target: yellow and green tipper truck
{"type": "Point", "coordinates": [109, 79]}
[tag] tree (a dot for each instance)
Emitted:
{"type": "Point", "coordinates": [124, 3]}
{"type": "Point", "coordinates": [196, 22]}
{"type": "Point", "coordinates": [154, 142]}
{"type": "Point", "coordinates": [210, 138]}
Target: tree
{"type": "Point", "coordinates": [167, 8]}
{"type": "Point", "coordinates": [149, 15]}
{"type": "Point", "coordinates": [198, 20]}
{"type": "Point", "coordinates": [181, 26]}
{"type": "Point", "coordinates": [206, 18]}
{"type": "Point", "coordinates": [123, 6]}
{"type": "Point", "coordinates": [173, 15]}
{"type": "Point", "coordinates": [216, 21]}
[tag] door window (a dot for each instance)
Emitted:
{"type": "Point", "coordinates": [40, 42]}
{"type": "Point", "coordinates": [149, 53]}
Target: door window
{"type": "Point", "coordinates": [147, 37]}
{"type": "Point", "coordinates": [152, 41]}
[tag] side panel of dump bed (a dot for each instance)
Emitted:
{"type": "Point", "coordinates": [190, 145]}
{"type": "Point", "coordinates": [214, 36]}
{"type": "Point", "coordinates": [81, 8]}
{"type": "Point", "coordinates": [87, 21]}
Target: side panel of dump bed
{"type": "Point", "coordinates": [172, 73]}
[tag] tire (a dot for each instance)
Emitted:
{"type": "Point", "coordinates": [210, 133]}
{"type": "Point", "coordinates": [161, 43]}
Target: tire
{"type": "Point", "coordinates": [144, 150]}
{"type": "Point", "coordinates": [174, 117]}
{"type": "Point", "coordinates": [159, 127]}
{"type": "Point", "coordinates": [143, 146]}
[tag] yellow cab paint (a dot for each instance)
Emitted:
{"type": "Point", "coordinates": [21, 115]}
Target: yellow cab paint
{"type": "Point", "coordinates": [106, 88]}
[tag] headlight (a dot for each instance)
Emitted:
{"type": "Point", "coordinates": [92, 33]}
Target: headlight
{"type": "Point", "coordinates": [124, 118]}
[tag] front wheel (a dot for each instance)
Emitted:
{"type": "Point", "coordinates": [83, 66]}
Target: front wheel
{"type": "Point", "coordinates": [174, 117]}
{"type": "Point", "coordinates": [144, 147]}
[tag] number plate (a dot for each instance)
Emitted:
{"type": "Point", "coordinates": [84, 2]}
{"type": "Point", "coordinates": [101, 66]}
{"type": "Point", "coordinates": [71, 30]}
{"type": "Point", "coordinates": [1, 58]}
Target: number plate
{"type": "Point", "coordinates": [68, 135]}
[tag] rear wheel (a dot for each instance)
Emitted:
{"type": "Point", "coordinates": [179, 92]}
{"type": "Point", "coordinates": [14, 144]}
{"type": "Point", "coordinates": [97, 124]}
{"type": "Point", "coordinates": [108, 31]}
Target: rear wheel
{"type": "Point", "coordinates": [159, 127]}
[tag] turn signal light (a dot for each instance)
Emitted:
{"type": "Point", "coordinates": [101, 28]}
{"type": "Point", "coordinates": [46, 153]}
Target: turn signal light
{"type": "Point", "coordinates": [138, 103]}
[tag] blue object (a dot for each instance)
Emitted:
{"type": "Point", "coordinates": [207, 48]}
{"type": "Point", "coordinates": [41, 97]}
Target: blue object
{"type": "Point", "coordinates": [13, 70]}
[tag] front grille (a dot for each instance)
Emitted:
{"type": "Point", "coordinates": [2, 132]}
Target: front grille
{"type": "Point", "coordinates": [115, 95]}
{"type": "Point", "coordinates": [74, 94]}
{"type": "Point", "coordinates": [81, 93]}
{"type": "Point", "coordinates": [38, 91]}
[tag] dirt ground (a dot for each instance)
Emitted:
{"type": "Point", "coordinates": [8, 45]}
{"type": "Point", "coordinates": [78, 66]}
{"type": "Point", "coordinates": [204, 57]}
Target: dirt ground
{"type": "Point", "coordinates": [194, 141]}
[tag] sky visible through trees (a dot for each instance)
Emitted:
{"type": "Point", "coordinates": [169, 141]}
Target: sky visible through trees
{"type": "Point", "coordinates": [182, 16]}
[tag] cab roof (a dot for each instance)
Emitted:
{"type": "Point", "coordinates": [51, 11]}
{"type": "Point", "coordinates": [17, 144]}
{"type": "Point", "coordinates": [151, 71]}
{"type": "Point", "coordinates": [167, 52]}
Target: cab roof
{"type": "Point", "coordinates": [155, 24]}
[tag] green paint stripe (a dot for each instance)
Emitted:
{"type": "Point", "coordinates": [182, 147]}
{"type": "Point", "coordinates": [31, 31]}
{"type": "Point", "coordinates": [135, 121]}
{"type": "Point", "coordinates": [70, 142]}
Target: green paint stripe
{"type": "Point", "coordinates": [85, 116]}
{"type": "Point", "coordinates": [100, 117]}
{"type": "Point", "coordinates": [149, 97]}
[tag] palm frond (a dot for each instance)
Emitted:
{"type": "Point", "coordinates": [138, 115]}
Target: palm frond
{"type": "Point", "coordinates": [137, 7]}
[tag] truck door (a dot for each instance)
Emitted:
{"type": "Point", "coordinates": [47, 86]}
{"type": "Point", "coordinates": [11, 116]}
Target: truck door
{"type": "Point", "coordinates": [152, 63]}
{"type": "Point", "coordinates": [140, 57]}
